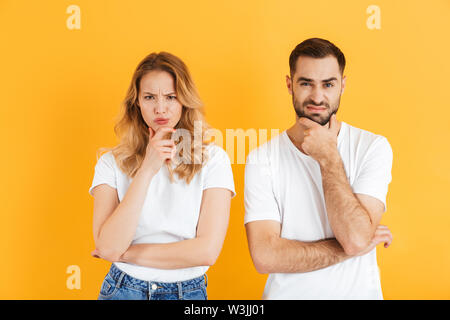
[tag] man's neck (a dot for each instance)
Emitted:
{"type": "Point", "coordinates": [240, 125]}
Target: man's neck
{"type": "Point", "coordinates": [295, 134]}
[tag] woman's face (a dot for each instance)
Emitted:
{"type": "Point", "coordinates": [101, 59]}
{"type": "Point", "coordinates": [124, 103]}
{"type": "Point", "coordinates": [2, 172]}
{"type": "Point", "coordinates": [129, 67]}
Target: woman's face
{"type": "Point", "coordinates": [158, 100]}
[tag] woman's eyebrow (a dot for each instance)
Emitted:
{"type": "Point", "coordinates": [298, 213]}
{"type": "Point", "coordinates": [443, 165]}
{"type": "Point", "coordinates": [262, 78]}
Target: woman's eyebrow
{"type": "Point", "coordinates": [155, 94]}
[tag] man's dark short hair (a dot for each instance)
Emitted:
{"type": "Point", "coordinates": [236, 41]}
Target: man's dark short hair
{"type": "Point", "coordinates": [316, 48]}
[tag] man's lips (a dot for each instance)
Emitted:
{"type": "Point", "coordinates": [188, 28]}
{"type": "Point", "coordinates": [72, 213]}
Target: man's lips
{"type": "Point", "coordinates": [315, 108]}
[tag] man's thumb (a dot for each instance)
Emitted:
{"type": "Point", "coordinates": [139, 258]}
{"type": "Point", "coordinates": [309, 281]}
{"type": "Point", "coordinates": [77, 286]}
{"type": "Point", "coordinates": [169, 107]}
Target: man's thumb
{"type": "Point", "coordinates": [333, 123]}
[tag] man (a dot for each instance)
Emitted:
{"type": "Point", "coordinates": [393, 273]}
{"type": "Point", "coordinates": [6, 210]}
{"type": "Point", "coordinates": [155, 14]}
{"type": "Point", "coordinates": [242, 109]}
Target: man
{"type": "Point", "coordinates": [315, 194]}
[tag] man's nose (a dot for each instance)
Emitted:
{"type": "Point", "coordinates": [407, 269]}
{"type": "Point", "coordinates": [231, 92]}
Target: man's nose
{"type": "Point", "coordinates": [317, 96]}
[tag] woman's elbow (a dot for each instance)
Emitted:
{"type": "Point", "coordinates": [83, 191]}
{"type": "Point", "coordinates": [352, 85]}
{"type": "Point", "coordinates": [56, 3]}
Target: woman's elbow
{"type": "Point", "coordinates": [210, 255]}
{"type": "Point", "coordinates": [109, 254]}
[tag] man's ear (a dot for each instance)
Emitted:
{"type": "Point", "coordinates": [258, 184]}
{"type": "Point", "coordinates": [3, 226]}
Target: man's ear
{"type": "Point", "coordinates": [289, 84]}
{"type": "Point", "coordinates": [343, 84]}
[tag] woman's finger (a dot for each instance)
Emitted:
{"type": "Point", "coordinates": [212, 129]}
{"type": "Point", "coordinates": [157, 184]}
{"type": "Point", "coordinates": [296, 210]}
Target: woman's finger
{"type": "Point", "coordinates": [166, 149]}
{"type": "Point", "coordinates": [160, 132]}
{"type": "Point", "coordinates": [164, 143]}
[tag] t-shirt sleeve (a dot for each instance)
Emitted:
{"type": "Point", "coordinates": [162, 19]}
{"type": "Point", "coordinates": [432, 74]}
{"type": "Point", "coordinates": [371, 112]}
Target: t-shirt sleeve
{"type": "Point", "coordinates": [259, 197]}
{"type": "Point", "coordinates": [218, 172]}
{"type": "Point", "coordinates": [104, 172]}
{"type": "Point", "coordinates": [375, 172]}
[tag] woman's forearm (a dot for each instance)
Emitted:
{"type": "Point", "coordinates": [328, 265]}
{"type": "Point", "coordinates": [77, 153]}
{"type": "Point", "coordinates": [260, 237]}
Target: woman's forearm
{"type": "Point", "coordinates": [117, 232]}
{"type": "Point", "coordinates": [203, 250]}
{"type": "Point", "coordinates": [175, 255]}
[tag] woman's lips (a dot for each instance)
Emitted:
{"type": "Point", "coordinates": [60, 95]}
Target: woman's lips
{"type": "Point", "coordinates": [162, 121]}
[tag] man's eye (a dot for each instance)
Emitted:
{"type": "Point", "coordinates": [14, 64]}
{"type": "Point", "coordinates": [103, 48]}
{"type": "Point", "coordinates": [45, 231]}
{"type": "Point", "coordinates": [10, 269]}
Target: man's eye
{"type": "Point", "coordinates": [304, 84]}
{"type": "Point", "coordinates": [329, 85]}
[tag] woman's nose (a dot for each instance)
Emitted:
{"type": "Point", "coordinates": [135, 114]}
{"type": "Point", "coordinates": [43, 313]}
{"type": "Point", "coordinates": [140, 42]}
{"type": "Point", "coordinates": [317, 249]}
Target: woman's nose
{"type": "Point", "coordinates": [160, 106]}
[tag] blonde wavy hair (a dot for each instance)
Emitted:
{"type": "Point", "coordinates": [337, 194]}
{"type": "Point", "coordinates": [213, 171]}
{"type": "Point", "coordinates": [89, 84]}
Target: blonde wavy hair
{"type": "Point", "coordinates": [133, 132]}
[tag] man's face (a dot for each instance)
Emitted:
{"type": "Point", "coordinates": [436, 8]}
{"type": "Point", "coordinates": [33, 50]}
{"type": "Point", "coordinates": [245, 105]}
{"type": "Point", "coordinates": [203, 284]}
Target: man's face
{"type": "Point", "coordinates": [316, 88]}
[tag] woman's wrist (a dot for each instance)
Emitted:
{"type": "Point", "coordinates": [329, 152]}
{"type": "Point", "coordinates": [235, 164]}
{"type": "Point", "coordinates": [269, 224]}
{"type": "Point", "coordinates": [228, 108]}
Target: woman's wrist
{"type": "Point", "coordinates": [124, 257]}
{"type": "Point", "coordinates": [149, 172]}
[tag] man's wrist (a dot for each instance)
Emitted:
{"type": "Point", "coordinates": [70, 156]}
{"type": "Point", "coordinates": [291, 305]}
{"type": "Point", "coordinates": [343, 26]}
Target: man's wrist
{"type": "Point", "coordinates": [331, 159]}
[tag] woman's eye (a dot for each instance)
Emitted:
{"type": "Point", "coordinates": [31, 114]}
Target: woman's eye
{"type": "Point", "coordinates": [171, 97]}
{"type": "Point", "coordinates": [148, 97]}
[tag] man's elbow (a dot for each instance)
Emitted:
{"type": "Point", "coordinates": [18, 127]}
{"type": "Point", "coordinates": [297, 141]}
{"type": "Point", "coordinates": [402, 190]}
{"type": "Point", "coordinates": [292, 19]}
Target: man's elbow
{"type": "Point", "coordinates": [355, 245]}
{"type": "Point", "coordinates": [262, 267]}
{"type": "Point", "coordinates": [261, 262]}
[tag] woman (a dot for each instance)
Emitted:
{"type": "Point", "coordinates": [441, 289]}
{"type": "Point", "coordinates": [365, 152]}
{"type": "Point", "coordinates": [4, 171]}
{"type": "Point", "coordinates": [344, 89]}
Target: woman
{"type": "Point", "coordinates": [161, 205]}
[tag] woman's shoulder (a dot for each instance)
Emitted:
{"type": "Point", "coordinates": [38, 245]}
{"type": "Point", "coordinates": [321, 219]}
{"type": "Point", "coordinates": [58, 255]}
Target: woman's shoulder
{"type": "Point", "coordinates": [216, 153]}
{"type": "Point", "coordinates": [108, 159]}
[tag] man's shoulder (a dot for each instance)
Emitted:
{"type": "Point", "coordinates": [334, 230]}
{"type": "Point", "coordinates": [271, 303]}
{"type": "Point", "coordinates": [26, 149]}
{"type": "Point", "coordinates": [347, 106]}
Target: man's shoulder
{"type": "Point", "coordinates": [363, 139]}
{"type": "Point", "coordinates": [361, 135]}
{"type": "Point", "coordinates": [266, 151]}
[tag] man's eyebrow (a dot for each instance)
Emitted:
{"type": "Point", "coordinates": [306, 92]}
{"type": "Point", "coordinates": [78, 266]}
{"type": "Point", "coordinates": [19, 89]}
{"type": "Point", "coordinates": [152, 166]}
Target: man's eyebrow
{"type": "Point", "coordinates": [311, 80]}
{"type": "Point", "coordinates": [304, 79]}
{"type": "Point", "coordinates": [155, 94]}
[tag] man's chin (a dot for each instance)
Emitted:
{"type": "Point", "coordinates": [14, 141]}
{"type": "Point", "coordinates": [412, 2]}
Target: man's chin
{"type": "Point", "coordinates": [318, 119]}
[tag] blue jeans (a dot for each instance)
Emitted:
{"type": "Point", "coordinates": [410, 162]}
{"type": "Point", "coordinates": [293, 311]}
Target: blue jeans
{"type": "Point", "coordinates": [118, 285]}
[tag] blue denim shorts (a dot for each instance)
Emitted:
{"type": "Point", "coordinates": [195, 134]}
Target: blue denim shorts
{"type": "Point", "coordinates": [118, 285]}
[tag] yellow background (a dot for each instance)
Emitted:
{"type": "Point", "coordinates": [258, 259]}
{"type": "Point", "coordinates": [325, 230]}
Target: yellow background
{"type": "Point", "coordinates": [60, 90]}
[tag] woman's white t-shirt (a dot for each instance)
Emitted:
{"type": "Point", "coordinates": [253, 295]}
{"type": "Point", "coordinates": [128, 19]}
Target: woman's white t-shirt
{"type": "Point", "coordinates": [170, 211]}
{"type": "Point", "coordinates": [285, 185]}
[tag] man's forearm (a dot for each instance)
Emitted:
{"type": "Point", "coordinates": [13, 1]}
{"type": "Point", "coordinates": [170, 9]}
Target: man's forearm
{"type": "Point", "coordinates": [348, 219]}
{"type": "Point", "coordinates": [292, 256]}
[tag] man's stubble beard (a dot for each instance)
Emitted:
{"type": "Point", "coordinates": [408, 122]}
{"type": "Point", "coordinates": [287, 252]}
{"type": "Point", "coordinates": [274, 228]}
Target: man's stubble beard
{"type": "Point", "coordinates": [299, 110]}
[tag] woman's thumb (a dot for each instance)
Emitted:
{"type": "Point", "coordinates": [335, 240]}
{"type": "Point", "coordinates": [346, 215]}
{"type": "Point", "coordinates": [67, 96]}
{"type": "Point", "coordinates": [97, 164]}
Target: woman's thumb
{"type": "Point", "coordinates": [150, 132]}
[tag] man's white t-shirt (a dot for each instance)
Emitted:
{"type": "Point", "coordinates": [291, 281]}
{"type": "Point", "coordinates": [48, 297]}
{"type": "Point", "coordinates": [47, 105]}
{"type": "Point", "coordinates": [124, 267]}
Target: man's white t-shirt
{"type": "Point", "coordinates": [170, 211]}
{"type": "Point", "coordinates": [284, 184]}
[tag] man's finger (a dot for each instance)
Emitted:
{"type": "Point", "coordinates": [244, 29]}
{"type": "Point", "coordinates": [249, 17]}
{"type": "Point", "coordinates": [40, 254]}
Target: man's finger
{"type": "Point", "coordinates": [383, 232]}
{"type": "Point", "coordinates": [388, 242]}
{"type": "Point", "coordinates": [386, 238]}
{"type": "Point", "coordinates": [308, 122]}
{"type": "Point", "coordinates": [333, 124]}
